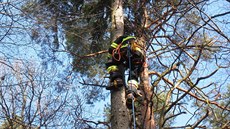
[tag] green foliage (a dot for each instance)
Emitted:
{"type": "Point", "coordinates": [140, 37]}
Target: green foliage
{"type": "Point", "coordinates": [177, 32]}
{"type": "Point", "coordinates": [83, 23]}
{"type": "Point", "coordinates": [80, 43]}
{"type": "Point", "coordinates": [220, 118]}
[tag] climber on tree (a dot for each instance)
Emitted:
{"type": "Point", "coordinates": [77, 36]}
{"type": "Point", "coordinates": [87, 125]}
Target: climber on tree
{"type": "Point", "coordinates": [125, 53]}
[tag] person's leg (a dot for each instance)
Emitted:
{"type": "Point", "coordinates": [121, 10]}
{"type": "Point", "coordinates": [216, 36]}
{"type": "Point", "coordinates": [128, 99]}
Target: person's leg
{"type": "Point", "coordinates": [132, 85]}
{"type": "Point", "coordinates": [116, 71]}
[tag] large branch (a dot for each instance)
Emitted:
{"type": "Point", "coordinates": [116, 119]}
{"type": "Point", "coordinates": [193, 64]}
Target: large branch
{"type": "Point", "coordinates": [94, 54]}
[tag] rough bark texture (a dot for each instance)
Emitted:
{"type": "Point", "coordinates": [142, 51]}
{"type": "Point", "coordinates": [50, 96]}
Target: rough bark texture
{"type": "Point", "coordinates": [146, 118]}
{"type": "Point", "coordinates": [120, 116]}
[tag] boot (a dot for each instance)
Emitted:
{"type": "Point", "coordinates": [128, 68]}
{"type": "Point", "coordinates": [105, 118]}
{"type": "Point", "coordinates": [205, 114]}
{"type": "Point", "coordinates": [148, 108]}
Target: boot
{"type": "Point", "coordinates": [129, 99]}
{"type": "Point", "coordinates": [115, 84]}
{"type": "Point", "coordinates": [132, 93]}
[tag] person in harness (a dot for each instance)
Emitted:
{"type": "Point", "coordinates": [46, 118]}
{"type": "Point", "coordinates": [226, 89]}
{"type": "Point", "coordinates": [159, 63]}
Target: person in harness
{"type": "Point", "coordinates": [125, 53]}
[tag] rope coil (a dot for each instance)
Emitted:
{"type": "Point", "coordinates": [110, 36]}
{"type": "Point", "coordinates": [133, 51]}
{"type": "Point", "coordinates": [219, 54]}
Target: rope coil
{"type": "Point", "coordinates": [117, 51]}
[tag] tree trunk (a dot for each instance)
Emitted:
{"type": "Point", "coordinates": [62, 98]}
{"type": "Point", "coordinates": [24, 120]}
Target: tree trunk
{"type": "Point", "coordinates": [146, 118]}
{"type": "Point", "coordinates": [119, 111]}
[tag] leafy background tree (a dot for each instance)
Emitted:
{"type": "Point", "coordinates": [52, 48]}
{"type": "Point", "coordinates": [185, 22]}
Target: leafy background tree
{"type": "Point", "coordinates": [187, 47]}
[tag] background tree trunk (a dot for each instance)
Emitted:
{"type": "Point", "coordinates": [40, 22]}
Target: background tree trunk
{"type": "Point", "coordinates": [147, 115]}
{"type": "Point", "coordinates": [119, 111]}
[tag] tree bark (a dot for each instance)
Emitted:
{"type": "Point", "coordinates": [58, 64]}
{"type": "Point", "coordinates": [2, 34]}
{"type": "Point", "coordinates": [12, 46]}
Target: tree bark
{"type": "Point", "coordinates": [147, 116]}
{"type": "Point", "coordinates": [119, 111]}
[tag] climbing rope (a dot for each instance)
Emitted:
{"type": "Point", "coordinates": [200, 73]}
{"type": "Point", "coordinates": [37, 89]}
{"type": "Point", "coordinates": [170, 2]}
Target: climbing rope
{"type": "Point", "coordinates": [117, 52]}
{"type": "Point", "coordinates": [130, 66]}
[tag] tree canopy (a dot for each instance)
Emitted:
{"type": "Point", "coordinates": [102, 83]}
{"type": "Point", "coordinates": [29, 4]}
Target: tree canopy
{"type": "Point", "coordinates": [52, 56]}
